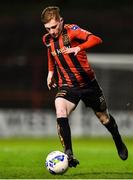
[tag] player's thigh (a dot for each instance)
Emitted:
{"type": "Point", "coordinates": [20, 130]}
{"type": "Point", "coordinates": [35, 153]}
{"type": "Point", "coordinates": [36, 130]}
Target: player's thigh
{"type": "Point", "coordinates": [63, 107]}
{"type": "Point", "coordinates": [94, 98]}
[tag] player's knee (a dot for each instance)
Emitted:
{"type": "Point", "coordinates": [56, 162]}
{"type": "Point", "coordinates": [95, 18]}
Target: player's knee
{"type": "Point", "coordinates": [61, 113]}
{"type": "Point", "coordinates": [103, 117]}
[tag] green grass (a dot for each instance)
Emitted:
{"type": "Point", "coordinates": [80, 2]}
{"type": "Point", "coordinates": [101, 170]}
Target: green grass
{"type": "Point", "coordinates": [25, 158]}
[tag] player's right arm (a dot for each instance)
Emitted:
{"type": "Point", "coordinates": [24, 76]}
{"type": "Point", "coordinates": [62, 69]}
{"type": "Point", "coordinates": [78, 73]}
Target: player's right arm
{"type": "Point", "coordinates": [50, 78]}
{"type": "Point", "coordinates": [50, 81]}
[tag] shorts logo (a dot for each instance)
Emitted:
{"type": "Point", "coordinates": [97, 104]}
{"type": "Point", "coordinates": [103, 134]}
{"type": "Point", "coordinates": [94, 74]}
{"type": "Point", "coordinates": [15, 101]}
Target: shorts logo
{"type": "Point", "coordinates": [101, 99]}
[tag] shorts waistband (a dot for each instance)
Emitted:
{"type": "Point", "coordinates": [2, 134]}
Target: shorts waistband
{"type": "Point", "coordinates": [79, 87]}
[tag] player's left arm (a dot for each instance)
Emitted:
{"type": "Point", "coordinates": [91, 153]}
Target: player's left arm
{"type": "Point", "coordinates": [89, 40]}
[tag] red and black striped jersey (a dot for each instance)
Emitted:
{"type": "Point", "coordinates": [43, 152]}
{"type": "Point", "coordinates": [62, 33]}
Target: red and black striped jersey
{"type": "Point", "coordinates": [72, 70]}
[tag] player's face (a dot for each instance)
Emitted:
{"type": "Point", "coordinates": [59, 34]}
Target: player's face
{"type": "Point", "coordinates": [54, 27]}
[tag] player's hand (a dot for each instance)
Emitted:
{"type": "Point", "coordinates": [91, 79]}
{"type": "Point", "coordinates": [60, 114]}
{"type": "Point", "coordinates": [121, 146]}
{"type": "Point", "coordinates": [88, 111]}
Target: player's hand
{"type": "Point", "coordinates": [74, 50]}
{"type": "Point", "coordinates": [51, 84]}
{"type": "Point", "coordinates": [50, 80]}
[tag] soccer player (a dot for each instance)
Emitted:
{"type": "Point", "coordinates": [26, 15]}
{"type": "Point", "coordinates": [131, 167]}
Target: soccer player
{"type": "Point", "coordinates": [66, 45]}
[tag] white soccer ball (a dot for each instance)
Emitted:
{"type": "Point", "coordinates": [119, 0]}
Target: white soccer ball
{"type": "Point", "coordinates": [57, 162]}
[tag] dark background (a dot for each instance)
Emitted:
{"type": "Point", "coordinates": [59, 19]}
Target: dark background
{"type": "Point", "coordinates": [23, 58]}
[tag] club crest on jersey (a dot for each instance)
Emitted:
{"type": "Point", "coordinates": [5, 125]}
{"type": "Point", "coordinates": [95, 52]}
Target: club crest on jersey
{"type": "Point", "coordinates": [66, 40]}
{"type": "Point", "coordinates": [75, 27]}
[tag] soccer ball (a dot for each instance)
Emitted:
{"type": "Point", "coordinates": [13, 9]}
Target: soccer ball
{"type": "Point", "coordinates": [57, 162]}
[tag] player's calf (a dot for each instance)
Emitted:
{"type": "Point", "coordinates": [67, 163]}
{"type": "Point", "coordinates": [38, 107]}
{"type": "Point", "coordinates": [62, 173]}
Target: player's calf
{"type": "Point", "coordinates": [122, 150]}
{"type": "Point", "coordinates": [121, 147]}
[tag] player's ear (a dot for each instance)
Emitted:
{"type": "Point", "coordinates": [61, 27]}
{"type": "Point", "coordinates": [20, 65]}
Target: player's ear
{"type": "Point", "coordinates": [61, 19]}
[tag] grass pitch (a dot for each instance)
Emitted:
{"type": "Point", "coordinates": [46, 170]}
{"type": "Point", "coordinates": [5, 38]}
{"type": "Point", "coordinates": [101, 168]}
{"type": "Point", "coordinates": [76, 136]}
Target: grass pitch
{"type": "Point", "coordinates": [25, 159]}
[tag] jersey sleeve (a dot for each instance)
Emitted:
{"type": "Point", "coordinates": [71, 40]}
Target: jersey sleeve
{"type": "Point", "coordinates": [51, 63]}
{"type": "Point", "coordinates": [44, 40]}
{"type": "Point", "coordinates": [89, 40]}
{"type": "Point", "coordinates": [79, 33]}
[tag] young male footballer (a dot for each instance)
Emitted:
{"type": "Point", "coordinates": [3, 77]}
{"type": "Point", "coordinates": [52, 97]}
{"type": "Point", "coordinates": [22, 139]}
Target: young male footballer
{"type": "Point", "coordinates": [66, 45]}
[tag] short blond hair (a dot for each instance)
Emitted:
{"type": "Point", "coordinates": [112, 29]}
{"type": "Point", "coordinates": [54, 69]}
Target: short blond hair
{"type": "Point", "coordinates": [51, 12]}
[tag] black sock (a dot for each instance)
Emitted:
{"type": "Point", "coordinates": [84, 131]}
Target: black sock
{"type": "Point", "coordinates": [113, 129]}
{"type": "Point", "coordinates": [64, 133]}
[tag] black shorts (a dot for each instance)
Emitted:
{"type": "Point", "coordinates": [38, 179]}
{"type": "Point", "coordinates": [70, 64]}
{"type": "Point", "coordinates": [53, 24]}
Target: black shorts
{"type": "Point", "coordinates": [91, 95]}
